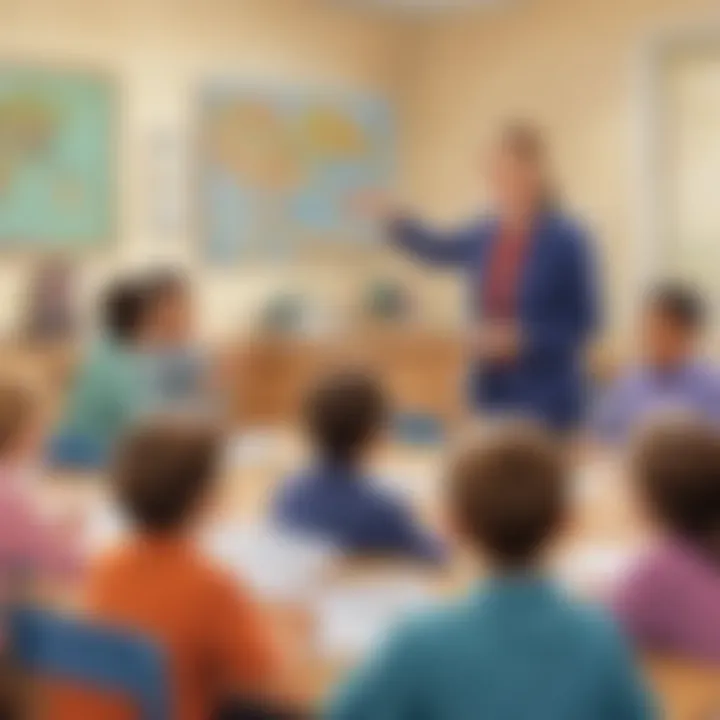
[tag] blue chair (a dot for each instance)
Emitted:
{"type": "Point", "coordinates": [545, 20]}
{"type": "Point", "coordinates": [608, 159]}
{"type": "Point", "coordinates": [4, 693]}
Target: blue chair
{"type": "Point", "coordinates": [100, 658]}
{"type": "Point", "coordinates": [76, 453]}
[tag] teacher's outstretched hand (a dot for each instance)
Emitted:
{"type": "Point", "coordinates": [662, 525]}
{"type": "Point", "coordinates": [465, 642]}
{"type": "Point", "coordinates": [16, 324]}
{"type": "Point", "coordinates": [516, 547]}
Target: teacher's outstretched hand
{"type": "Point", "coordinates": [533, 289]}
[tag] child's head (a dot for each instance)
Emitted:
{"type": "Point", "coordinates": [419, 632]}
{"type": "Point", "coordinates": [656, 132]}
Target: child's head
{"type": "Point", "coordinates": [124, 311]}
{"type": "Point", "coordinates": [344, 413]}
{"type": "Point", "coordinates": [677, 469]}
{"type": "Point", "coordinates": [672, 325]}
{"type": "Point", "coordinates": [508, 494]}
{"type": "Point", "coordinates": [21, 426]}
{"type": "Point", "coordinates": [169, 308]}
{"type": "Point", "coordinates": [165, 473]}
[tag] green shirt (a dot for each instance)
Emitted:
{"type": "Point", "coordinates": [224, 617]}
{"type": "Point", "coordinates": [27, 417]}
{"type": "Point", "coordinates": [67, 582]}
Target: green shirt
{"type": "Point", "coordinates": [112, 388]}
{"type": "Point", "coordinates": [515, 649]}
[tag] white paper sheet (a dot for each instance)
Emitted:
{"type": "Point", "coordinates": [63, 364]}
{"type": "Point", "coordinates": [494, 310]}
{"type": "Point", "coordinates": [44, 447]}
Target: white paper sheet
{"type": "Point", "coordinates": [353, 618]}
{"type": "Point", "coordinates": [593, 570]}
{"type": "Point", "coordinates": [277, 565]}
{"type": "Point", "coordinates": [105, 527]}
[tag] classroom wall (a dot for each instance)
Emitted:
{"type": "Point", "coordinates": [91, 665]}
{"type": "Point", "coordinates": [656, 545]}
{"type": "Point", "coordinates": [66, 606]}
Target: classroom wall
{"type": "Point", "coordinates": [575, 68]}
{"type": "Point", "coordinates": [160, 51]}
{"type": "Point", "coordinates": [570, 65]}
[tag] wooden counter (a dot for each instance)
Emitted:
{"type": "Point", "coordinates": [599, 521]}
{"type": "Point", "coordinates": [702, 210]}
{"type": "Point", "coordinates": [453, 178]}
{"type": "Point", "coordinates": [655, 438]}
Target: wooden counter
{"type": "Point", "coordinates": [423, 371]}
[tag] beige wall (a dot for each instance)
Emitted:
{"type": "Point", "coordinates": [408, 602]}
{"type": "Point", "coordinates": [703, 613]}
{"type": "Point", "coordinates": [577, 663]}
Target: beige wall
{"type": "Point", "coordinates": [573, 66]}
{"type": "Point", "coordinates": [160, 51]}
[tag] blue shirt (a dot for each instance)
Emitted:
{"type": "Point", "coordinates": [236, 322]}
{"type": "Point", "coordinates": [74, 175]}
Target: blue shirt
{"type": "Point", "coordinates": [693, 388]}
{"type": "Point", "coordinates": [341, 506]}
{"type": "Point", "coordinates": [557, 311]}
{"type": "Point", "coordinates": [516, 650]}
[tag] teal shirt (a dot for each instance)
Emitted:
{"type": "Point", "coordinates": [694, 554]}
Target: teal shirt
{"type": "Point", "coordinates": [112, 388]}
{"type": "Point", "coordinates": [518, 649]}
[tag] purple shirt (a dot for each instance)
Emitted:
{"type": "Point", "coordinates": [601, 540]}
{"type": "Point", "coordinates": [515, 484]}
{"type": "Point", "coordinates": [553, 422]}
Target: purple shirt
{"type": "Point", "coordinates": [632, 400]}
{"type": "Point", "coordinates": [670, 603]}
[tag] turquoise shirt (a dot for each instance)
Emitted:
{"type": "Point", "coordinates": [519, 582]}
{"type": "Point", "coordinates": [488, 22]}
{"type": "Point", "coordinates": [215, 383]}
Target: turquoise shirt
{"type": "Point", "coordinates": [113, 387]}
{"type": "Point", "coordinates": [517, 649]}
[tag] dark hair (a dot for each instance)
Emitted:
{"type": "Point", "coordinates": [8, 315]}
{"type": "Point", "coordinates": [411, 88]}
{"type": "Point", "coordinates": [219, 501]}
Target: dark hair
{"type": "Point", "coordinates": [163, 283]}
{"type": "Point", "coordinates": [17, 406]}
{"type": "Point", "coordinates": [124, 309]}
{"type": "Point", "coordinates": [163, 469]}
{"type": "Point", "coordinates": [343, 412]}
{"type": "Point", "coordinates": [524, 140]}
{"type": "Point", "coordinates": [508, 492]}
{"type": "Point", "coordinates": [680, 303]}
{"type": "Point", "coordinates": [677, 469]}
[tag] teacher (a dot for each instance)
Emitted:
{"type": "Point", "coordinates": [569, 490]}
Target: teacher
{"type": "Point", "coordinates": [532, 287]}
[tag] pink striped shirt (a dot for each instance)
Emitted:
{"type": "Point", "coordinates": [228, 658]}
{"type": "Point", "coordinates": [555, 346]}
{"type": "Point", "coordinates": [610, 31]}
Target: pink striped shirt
{"type": "Point", "coordinates": [31, 547]}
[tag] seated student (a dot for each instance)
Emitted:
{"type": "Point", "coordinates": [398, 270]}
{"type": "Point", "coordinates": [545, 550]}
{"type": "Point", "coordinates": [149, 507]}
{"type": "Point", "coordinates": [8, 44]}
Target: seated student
{"type": "Point", "coordinates": [671, 376]}
{"type": "Point", "coordinates": [32, 547]}
{"type": "Point", "coordinates": [112, 387]}
{"type": "Point", "coordinates": [34, 551]}
{"type": "Point", "coordinates": [335, 499]}
{"type": "Point", "coordinates": [516, 646]}
{"type": "Point", "coordinates": [179, 369]}
{"type": "Point", "coordinates": [159, 582]}
{"type": "Point", "coordinates": [670, 603]}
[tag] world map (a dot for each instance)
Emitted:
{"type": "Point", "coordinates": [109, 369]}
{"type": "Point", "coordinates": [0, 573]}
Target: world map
{"type": "Point", "coordinates": [280, 169]}
{"type": "Point", "coordinates": [56, 160]}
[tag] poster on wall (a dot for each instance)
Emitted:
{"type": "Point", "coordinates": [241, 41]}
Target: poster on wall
{"type": "Point", "coordinates": [57, 144]}
{"type": "Point", "coordinates": [279, 169]}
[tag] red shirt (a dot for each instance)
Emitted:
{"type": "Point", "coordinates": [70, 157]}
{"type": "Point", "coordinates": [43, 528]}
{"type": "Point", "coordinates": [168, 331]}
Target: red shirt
{"type": "Point", "coordinates": [502, 275]}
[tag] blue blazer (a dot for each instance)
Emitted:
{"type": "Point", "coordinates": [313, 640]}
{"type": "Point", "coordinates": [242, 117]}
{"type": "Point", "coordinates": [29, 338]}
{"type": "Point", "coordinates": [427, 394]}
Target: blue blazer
{"type": "Point", "coordinates": [558, 312]}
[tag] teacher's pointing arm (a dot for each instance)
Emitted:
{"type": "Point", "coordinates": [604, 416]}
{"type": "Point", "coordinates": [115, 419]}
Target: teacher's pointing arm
{"type": "Point", "coordinates": [454, 248]}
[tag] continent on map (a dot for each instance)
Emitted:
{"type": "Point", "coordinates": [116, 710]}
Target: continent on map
{"type": "Point", "coordinates": [331, 134]}
{"type": "Point", "coordinates": [27, 130]}
{"type": "Point", "coordinates": [251, 142]}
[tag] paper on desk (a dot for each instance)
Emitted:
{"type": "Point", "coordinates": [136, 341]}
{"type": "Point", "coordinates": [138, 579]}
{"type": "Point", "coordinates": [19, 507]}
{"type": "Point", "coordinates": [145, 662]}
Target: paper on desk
{"type": "Point", "coordinates": [278, 565]}
{"type": "Point", "coordinates": [417, 481]}
{"type": "Point", "coordinates": [353, 618]}
{"type": "Point", "coordinates": [263, 448]}
{"type": "Point", "coordinates": [256, 447]}
{"type": "Point", "coordinates": [105, 527]}
{"type": "Point", "coordinates": [593, 570]}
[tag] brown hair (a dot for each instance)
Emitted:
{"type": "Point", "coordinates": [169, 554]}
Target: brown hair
{"type": "Point", "coordinates": [17, 406]}
{"type": "Point", "coordinates": [677, 469]}
{"type": "Point", "coordinates": [343, 412]}
{"type": "Point", "coordinates": [164, 469]}
{"type": "Point", "coordinates": [508, 492]}
{"type": "Point", "coordinates": [525, 141]}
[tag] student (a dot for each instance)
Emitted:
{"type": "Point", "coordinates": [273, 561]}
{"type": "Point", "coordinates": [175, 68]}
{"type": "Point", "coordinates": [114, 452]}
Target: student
{"type": "Point", "coordinates": [670, 602]}
{"type": "Point", "coordinates": [516, 647]}
{"type": "Point", "coordinates": [159, 583]}
{"type": "Point", "coordinates": [34, 551]}
{"type": "Point", "coordinates": [32, 547]}
{"type": "Point", "coordinates": [671, 376]}
{"type": "Point", "coordinates": [179, 370]}
{"type": "Point", "coordinates": [113, 384]}
{"type": "Point", "coordinates": [335, 499]}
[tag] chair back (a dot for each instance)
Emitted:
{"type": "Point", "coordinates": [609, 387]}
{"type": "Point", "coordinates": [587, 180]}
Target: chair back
{"type": "Point", "coordinates": [91, 656]}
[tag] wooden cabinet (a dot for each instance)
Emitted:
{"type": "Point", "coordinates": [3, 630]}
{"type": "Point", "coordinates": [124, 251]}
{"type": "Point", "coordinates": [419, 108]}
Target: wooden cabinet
{"type": "Point", "coordinates": [422, 371]}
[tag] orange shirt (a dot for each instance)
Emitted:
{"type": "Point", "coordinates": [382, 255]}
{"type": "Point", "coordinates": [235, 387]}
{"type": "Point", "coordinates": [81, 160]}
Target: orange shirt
{"type": "Point", "coordinates": [211, 631]}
